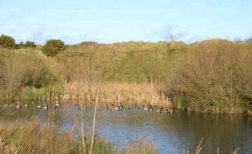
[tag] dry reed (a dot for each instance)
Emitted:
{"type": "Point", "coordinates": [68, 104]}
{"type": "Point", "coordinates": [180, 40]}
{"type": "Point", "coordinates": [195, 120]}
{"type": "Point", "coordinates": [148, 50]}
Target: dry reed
{"type": "Point", "coordinates": [112, 92]}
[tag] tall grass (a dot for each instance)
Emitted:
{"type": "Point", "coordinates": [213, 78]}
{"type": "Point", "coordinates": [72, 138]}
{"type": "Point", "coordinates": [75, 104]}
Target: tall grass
{"type": "Point", "coordinates": [29, 137]}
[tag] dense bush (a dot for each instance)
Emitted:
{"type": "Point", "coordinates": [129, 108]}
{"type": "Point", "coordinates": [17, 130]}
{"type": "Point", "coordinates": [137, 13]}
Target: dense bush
{"type": "Point", "coordinates": [7, 42]}
{"type": "Point", "coordinates": [28, 44]}
{"type": "Point", "coordinates": [20, 45]}
{"type": "Point", "coordinates": [216, 77]}
{"type": "Point", "coordinates": [52, 47]}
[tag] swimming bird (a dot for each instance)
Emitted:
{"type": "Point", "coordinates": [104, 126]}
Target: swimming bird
{"type": "Point", "coordinates": [45, 106]}
{"type": "Point", "coordinates": [57, 104]}
{"type": "Point", "coordinates": [18, 106]}
{"type": "Point", "coordinates": [151, 109]}
{"type": "Point", "coordinates": [85, 108]}
{"type": "Point", "coordinates": [116, 108]}
{"type": "Point", "coordinates": [26, 105]}
{"type": "Point", "coordinates": [39, 106]}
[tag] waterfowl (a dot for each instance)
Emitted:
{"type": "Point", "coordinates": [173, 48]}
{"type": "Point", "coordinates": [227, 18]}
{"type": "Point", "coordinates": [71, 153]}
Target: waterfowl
{"type": "Point", "coordinates": [145, 108]}
{"type": "Point", "coordinates": [26, 105]}
{"type": "Point", "coordinates": [18, 106]}
{"type": "Point", "coordinates": [116, 108]}
{"type": "Point", "coordinates": [76, 106]}
{"type": "Point", "coordinates": [165, 110]}
{"type": "Point", "coordinates": [39, 106]}
{"type": "Point", "coordinates": [57, 104]}
{"type": "Point", "coordinates": [45, 106]}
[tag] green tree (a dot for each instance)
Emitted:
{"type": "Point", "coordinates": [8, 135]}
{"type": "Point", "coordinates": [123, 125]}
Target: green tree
{"type": "Point", "coordinates": [7, 42]}
{"type": "Point", "coordinates": [53, 46]}
{"type": "Point", "coordinates": [30, 44]}
{"type": "Point", "coordinates": [20, 45]}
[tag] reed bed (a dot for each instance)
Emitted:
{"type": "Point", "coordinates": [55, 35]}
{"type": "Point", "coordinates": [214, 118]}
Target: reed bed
{"type": "Point", "coordinates": [113, 92]}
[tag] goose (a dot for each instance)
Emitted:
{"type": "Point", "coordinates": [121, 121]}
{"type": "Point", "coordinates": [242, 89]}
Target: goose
{"type": "Point", "coordinates": [18, 106]}
{"type": "Point", "coordinates": [76, 106]}
{"type": "Point", "coordinates": [57, 104]}
{"type": "Point", "coordinates": [146, 108]}
{"type": "Point", "coordinates": [171, 111]}
{"type": "Point", "coordinates": [165, 110]}
{"type": "Point", "coordinates": [45, 106]}
{"type": "Point", "coordinates": [85, 108]}
{"type": "Point", "coordinates": [39, 106]}
{"type": "Point", "coordinates": [117, 108]}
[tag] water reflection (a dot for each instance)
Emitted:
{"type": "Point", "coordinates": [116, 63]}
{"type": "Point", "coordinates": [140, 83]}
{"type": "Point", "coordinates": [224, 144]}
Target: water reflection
{"type": "Point", "coordinates": [225, 132]}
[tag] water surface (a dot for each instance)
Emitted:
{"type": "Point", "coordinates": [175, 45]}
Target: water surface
{"type": "Point", "coordinates": [121, 127]}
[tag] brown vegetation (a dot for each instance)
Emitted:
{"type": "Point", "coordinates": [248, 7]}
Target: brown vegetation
{"type": "Point", "coordinates": [143, 93]}
{"type": "Point", "coordinates": [209, 76]}
{"type": "Point", "coordinates": [215, 78]}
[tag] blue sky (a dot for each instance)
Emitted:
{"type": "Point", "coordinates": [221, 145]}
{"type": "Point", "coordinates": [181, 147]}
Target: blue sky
{"type": "Point", "coordinates": [108, 21]}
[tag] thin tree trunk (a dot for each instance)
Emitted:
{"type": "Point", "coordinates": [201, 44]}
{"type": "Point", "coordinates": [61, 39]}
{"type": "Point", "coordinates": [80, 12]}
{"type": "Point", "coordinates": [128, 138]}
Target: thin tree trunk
{"type": "Point", "coordinates": [94, 120]}
{"type": "Point", "coordinates": [82, 131]}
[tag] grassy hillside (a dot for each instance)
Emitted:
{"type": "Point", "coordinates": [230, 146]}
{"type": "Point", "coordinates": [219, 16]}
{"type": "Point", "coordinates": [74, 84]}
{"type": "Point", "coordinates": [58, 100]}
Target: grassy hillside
{"type": "Point", "coordinates": [211, 76]}
{"type": "Point", "coordinates": [128, 61]}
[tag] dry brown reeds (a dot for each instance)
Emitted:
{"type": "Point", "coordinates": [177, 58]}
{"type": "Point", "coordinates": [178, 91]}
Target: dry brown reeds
{"type": "Point", "coordinates": [113, 92]}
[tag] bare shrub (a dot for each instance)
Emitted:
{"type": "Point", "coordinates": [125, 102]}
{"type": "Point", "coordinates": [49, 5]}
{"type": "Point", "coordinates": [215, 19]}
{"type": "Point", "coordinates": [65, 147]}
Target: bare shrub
{"type": "Point", "coordinates": [13, 74]}
{"type": "Point", "coordinates": [215, 77]}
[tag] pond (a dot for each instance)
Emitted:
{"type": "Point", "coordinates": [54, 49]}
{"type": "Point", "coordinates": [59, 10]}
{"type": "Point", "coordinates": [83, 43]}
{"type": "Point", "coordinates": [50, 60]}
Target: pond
{"type": "Point", "coordinates": [122, 126]}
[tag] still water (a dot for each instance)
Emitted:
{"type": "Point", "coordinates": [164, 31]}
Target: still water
{"type": "Point", "coordinates": [121, 127]}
